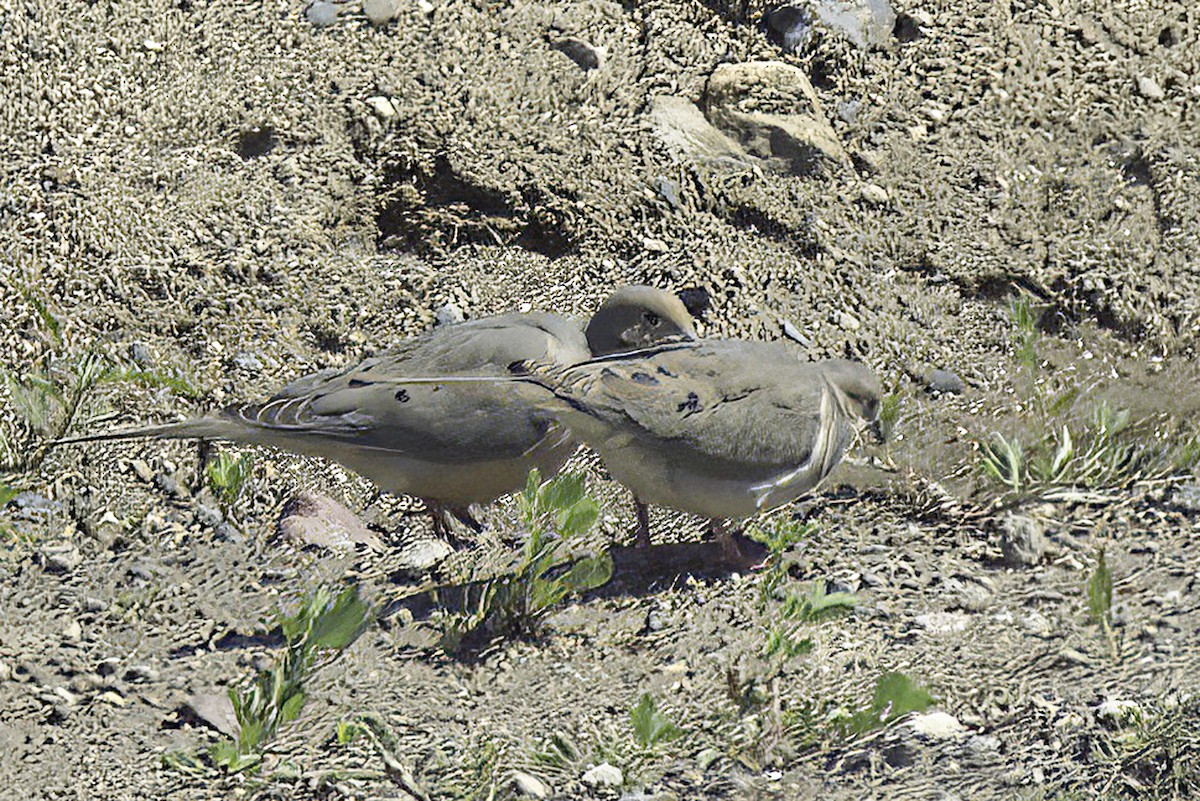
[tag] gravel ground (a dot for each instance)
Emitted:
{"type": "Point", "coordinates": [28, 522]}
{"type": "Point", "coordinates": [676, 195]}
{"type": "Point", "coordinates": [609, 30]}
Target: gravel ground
{"type": "Point", "coordinates": [202, 201]}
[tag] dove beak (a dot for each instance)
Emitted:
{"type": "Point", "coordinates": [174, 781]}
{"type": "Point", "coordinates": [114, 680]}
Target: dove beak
{"type": "Point", "coordinates": [877, 432]}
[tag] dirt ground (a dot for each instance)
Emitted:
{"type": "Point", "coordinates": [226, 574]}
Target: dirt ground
{"type": "Point", "coordinates": [218, 197]}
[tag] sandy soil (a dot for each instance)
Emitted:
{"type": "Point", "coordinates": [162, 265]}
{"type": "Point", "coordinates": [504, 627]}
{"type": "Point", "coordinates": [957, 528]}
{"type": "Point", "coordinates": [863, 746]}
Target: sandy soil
{"type": "Point", "coordinates": [220, 197]}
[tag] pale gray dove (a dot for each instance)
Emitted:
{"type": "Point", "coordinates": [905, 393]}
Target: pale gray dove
{"type": "Point", "coordinates": [718, 428]}
{"type": "Point", "coordinates": [451, 449]}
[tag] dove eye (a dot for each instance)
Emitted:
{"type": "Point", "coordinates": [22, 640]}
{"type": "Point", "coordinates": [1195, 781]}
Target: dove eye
{"type": "Point", "coordinates": [652, 319]}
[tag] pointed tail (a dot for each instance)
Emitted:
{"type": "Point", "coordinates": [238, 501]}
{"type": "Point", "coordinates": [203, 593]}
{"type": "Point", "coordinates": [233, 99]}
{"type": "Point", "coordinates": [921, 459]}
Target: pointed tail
{"type": "Point", "coordinates": [198, 428]}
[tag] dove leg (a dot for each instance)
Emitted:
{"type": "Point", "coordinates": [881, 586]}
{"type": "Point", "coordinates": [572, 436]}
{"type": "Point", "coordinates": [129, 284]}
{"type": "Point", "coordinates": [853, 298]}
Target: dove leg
{"type": "Point", "coordinates": [643, 523]}
{"type": "Point", "coordinates": [441, 515]}
{"type": "Point", "coordinates": [736, 550]}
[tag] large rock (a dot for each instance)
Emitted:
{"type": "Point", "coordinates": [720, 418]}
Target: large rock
{"type": "Point", "coordinates": [688, 136]}
{"type": "Point", "coordinates": [772, 110]}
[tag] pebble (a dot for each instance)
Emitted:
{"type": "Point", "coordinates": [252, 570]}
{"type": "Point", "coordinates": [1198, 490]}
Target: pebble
{"type": "Point", "coordinates": [140, 353]}
{"type": "Point", "coordinates": [448, 314]}
{"type": "Point", "coordinates": [61, 557]}
{"type": "Point", "coordinates": [603, 775]}
{"type": "Point", "coordinates": [1149, 88]}
{"type": "Point", "coordinates": [142, 470]}
{"type": "Point", "coordinates": [73, 631]}
{"type": "Point", "coordinates": [943, 382]}
{"type": "Point", "coordinates": [669, 190]}
{"type": "Point", "coordinates": [314, 519]}
{"type": "Point", "coordinates": [322, 14]}
{"type": "Point", "coordinates": [382, 107]}
{"type": "Point", "coordinates": [790, 27]}
{"type": "Point", "coordinates": [248, 361]}
{"type": "Point", "coordinates": [1022, 541]}
{"type": "Point", "coordinates": [936, 726]}
{"type": "Point", "coordinates": [697, 300]}
{"type": "Point", "coordinates": [529, 786]}
{"type": "Point", "coordinates": [873, 194]}
{"type": "Point", "coordinates": [381, 12]}
{"type": "Point", "coordinates": [140, 673]}
{"type": "Point", "coordinates": [943, 622]}
{"type": "Point", "coordinates": [423, 555]}
{"type": "Point", "coordinates": [793, 333]}
{"type": "Point", "coordinates": [586, 56]}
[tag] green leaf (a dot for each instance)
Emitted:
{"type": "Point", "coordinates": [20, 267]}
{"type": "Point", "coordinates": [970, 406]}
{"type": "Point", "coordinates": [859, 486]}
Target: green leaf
{"type": "Point", "coordinates": [341, 623]}
{"type": "Point", "coordinates": [579, 519]}
{"type": "Point", "coordinates": [563, 491]}
{"type": "Point", "coordinates": [49, 320]}
{"type": "Point", "coordinates": [1100, 590]}
{"type": "Point", "coordinates": [350, 730]}
{"type": "Point", "coordinates": [895, 695]}
{"type": "Point", "coordinates": [292, 707]}
{"type": "Point", "coordinates": [589, 573]}
{"type": "Point", "coordinates": [650, 726]}
{"type": "Point", "coordinates": [184, 762]}
{"type": "Point", "coordinates": [817, 605]}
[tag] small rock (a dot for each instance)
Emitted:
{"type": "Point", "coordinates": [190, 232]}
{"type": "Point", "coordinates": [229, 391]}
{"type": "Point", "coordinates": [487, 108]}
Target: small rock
{"type": "Point", "coordinates": [108, 666]}
{"type": "Point", "coordinates": [848, 321]}
{"type": "Point", "coordinates": [772, 110]}
{"type": "Point", "coordinates": [1022, 541]}
{"type": "Point", "coordinates": [697, 300]}
{"type": "Point", "coordinates": [382, 106]}
{"type": "Point", "coordinates": [216, 710]}
{"type": "Point", "coordinates": [873, 194]}
{"type": "Point", "coordinates": [529, 786]}
{"type": "Point", "coordinates": [1187, 496]}
{"type": "Point", "coordinates": [322, 14]}
{"type": "Point", "coordinates": [864, 22]}
{"type": "Point", "coordinates": [654, 245]}
{"type": "Point", "coordinates": [944, 382]}
{"type": "Point", "coordinates": [73, 631]}
{"type": "Point", "coordinates": [603, 775]}
{"type": "Point", "coordinates": [423, 555]}
{"type": "Point", "coordinates": [936, 726]}
{"type": "Point", "coordinates": [793, 333]}
{"type": "Point", "coordinates": [245, 360]}
{"type": "Point", "coordinates": [688, 136]}
{"type": "Point", "coordinates": [1149, 88]}
{"type": "Point", "coordinates": [142, 470]}
{"type": "Point", "coordinates": [1036, 623]}
{"type": "Point", "coordinates": [943, 622]}
{"type": "Point", "coordinates": [585, 55]}
{"type": "Point", "coordinates": [790, 27]}
{"type": "Point", "coordinates": [5, 671]}
{"type": "Point", "coordinates": [1118, 712]}
{"type": "Point", "coordinates": [448, 314]}
{"type": "Point", "coordinates": [33, 506]}
{"type": "Point", "coordinates": [669, 190]}
{"type": "Point", "coordinates": [61, 557]}
{"type": "Point", "coordinates": [140, 353]}
{"type": "Point", "coordinates": [381, 12]}
{"type": "Point", "coordinates": [140, 673]}
{"type": "Point", "coordinates": [313, 519]}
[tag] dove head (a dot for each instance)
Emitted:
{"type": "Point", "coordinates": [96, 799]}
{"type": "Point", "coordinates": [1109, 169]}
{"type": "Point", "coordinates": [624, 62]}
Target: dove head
{"type": "Point", "coordinates": [859, 388]}
{"type": "Point", "coordinates": [637, 317]}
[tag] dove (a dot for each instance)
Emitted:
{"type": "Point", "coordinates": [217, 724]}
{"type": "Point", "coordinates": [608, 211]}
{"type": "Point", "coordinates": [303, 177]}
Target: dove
{"type": "Point", "coordinates": [450, 449]}
{"type": "Point", "coordinates": [723, 429]}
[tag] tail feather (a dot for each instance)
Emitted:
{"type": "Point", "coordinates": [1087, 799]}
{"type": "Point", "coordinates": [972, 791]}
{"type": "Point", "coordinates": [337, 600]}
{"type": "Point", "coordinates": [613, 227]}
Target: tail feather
{"type": "Point", "coordinates": [197, 428]}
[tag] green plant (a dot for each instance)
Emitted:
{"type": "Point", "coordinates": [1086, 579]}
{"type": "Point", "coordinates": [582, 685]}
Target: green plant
{"type": "Point", "coordinates": [889, 415]}
{"type": "Point", "coordinates": [1153, 754]}
{"type": "Point", "coordinates": [651, 727]}
{"type": "Point", "coordinates": [7, 493]}
{"type": "Point", "coordinates": [817, 604]}
{"type": "Point", "coordinates": [779, 537]}
{"type": "Point", "coordinates": [552, 513]}
{"type": "Point", "coordinates": [895, 696]}
{"type": "Point", "coordinates": [1025, 320]}
{"type": "Point", "coordinates": [1099, 602]}
{"type": "Point", "coordinates": [323, 623]}
{"type": "Point", "coordinates": [227, 475]}
{"type": "Point", "coordinates": [1097, 454]}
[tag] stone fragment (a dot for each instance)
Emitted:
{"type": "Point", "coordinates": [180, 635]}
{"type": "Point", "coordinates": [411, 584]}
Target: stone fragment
{"type": "Point", "coordinates": [603, 775]}
{"type": "Point", "coordinates": [688, 136]}
{"type": "Point", "coordinates": [529, 786]}
{"type": "Point", "coordinates": [771, 109]}
{"type": "Point", "coordinates": [1022, 541]}
{"type": "Point", "coordinates": [313, 519]}
{"type": "Point", "coordinates": [381, 12]}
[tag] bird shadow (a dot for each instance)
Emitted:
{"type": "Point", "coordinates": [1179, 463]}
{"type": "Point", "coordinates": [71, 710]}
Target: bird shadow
{"type": "Point", "coordinates": [645, 570]}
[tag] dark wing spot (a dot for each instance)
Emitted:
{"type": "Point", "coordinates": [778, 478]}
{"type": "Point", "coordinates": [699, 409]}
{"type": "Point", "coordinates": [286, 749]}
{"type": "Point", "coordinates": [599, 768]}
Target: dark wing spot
{"type": "Point", "coordinates": [692, 404]}
{"type": "Point", "coordinates": [402, 395]}
{"type": "Point", "coordinates": [358, 382]}
{"type": "Point", "coordinates": [644, 378]}
{"type": "Point", "coordinates": [664, 371]}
